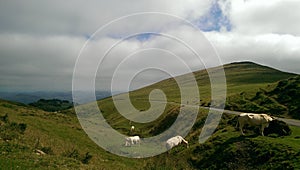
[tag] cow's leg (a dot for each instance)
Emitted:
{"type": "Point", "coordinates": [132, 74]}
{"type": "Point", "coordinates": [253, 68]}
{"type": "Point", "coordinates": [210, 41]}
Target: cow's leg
{"type": "Point", "coordinates": [241, 129]}
{"type": "Point", "coordinates": [262, 130]}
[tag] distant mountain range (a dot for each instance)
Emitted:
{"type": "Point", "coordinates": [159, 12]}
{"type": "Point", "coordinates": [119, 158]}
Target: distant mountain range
{"type": "Point", "coordinates": [30, 97]}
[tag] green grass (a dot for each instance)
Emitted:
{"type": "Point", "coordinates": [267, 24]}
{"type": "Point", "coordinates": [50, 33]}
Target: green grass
{"type": "Point", "coordinates": [226, 149]}
{"type": "Point", "coordinates": [62, 133]}
{"type": "Point", "coordinates": [279, 99]}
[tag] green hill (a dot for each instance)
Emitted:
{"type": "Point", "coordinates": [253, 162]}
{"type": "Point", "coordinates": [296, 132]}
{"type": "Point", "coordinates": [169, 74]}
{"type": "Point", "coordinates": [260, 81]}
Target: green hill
{"type": "Point", "coordinates": [279, 99]}
{"type": "Point", "coordinates": [26, 129]}
{"type": "Point", "coordinates": [240, 77]}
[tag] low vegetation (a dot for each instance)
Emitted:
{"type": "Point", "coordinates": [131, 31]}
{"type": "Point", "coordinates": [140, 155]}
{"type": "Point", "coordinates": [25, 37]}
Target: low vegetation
{"type": "Point", "coordinates": [52, 105]}
{"type": "Point", "coordinates": [280, 99]}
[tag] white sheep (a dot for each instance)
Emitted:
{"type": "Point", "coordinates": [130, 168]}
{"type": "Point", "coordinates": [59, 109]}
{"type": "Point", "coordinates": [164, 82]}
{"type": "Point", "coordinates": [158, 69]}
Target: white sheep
{"type": "Point", "coordinates": [174, 141]}
{"type": "Point", "coordinates": [132, 140]}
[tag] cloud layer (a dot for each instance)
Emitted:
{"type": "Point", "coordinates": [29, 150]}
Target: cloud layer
{"type": "Point", "coordinates": [40, 41]}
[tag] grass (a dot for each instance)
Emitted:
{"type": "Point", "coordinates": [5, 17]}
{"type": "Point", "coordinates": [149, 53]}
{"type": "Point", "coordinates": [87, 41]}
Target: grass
{"type": "Point", "coordinates": [62, 134]}
{"type": "Point", "coordinates": [278, 99]}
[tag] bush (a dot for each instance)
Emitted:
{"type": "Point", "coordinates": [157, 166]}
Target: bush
{"type": "Point", "coordinates": [277, 128]}
{"type": "Point", "coordinates": [86, 158]}
{"type": "Point", "coordinates": [74, 153]}
{"type": "Point", "coordinates": [4, 118]}
{"type": "Point", "coordinates": [22, 127]}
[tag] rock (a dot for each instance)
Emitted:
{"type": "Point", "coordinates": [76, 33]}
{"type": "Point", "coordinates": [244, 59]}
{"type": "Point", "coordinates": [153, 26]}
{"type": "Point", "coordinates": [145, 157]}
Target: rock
{"type": "Point", "coordinates": [39, 152]}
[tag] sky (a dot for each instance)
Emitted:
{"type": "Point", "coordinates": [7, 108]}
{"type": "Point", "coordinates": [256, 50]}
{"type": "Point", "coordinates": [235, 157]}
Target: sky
{"type": "Point", "coordinates": [41, 41]}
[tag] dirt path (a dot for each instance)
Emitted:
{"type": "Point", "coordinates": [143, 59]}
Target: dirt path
{"type": "Point", "coordinates": [292, 122]}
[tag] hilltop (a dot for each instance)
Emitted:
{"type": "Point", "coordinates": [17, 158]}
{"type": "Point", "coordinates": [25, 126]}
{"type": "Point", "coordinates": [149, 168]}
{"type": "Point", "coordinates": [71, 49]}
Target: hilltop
{"type": "Point", "coordinates": [241, 77]}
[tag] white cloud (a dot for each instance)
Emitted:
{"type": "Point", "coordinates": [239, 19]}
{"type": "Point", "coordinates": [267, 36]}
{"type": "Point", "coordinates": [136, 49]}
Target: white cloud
{"type": "Point", "coordinates": [264, 17]}
{"type": "Point", "coordinates": [279, 51]}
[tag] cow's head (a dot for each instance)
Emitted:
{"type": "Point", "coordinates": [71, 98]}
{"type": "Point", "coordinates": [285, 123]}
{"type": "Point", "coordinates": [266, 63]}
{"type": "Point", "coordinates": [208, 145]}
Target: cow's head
{"type": "Point", "coordinates": [268, 118]}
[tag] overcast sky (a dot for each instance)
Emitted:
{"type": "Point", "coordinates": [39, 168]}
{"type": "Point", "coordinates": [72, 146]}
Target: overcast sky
{"type": "Point", "coordinates": [41, 40]}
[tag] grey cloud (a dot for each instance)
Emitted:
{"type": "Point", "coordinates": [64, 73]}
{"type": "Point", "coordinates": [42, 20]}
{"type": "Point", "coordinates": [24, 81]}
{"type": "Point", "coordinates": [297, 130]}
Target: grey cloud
{"type": "Point", "coordinates": [83, 17]}
{"type": "Point", "coordinates": [40, 40]}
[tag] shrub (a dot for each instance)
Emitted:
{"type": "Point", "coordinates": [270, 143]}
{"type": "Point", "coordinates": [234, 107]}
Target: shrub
{"type": "Point", "coordinates": [22, 127]}
{"type": "Point", "coordinates": [4, 118]}
{"type": "Point", "coordinates": [87, 157]}
{"type": "Point", "coordinates": [74, 153]}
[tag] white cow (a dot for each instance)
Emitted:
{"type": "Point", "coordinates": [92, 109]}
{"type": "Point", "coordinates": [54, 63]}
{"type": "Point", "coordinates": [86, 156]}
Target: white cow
{"type": "Point", "coordinates": [174, 141]}
{"type": "Point", "coordinates": [252, 119]}
{"type": "Point", "coordinates": [132, 140]}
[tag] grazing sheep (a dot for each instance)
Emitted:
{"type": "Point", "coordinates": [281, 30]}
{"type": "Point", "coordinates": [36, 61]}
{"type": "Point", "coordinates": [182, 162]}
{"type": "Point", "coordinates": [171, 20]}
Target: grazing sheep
{"type": "Point", "coordinates": [132, 140]}
{"type": "Point", "coordinates": [174, 141]}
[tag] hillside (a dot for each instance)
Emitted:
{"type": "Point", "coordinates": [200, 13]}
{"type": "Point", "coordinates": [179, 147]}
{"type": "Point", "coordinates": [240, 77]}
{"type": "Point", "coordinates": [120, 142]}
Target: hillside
{"type": "Point", "coordinates": [26, 129]}
{"type": "Point", "coordinates": [241, 77]}
{"type": "Point", "coordinates": [278, 99]}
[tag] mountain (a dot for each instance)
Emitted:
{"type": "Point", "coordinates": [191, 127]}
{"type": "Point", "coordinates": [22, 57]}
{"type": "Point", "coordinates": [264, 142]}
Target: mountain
{"type": "Point", "coordinates": [24, 130]}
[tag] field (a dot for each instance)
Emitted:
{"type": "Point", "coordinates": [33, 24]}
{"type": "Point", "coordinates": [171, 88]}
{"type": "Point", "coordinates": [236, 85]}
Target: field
{"type": "Point", "coordinates": [26, 129]}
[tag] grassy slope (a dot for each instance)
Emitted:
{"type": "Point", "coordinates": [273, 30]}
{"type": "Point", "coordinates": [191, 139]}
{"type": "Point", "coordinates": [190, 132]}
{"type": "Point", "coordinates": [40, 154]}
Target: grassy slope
{"type": "Point", "coordinates": [278, 99]}
{"type": "Point", "coordinates": [63, 134]}
{"type": "Point", "coordinates": [241, 77]}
